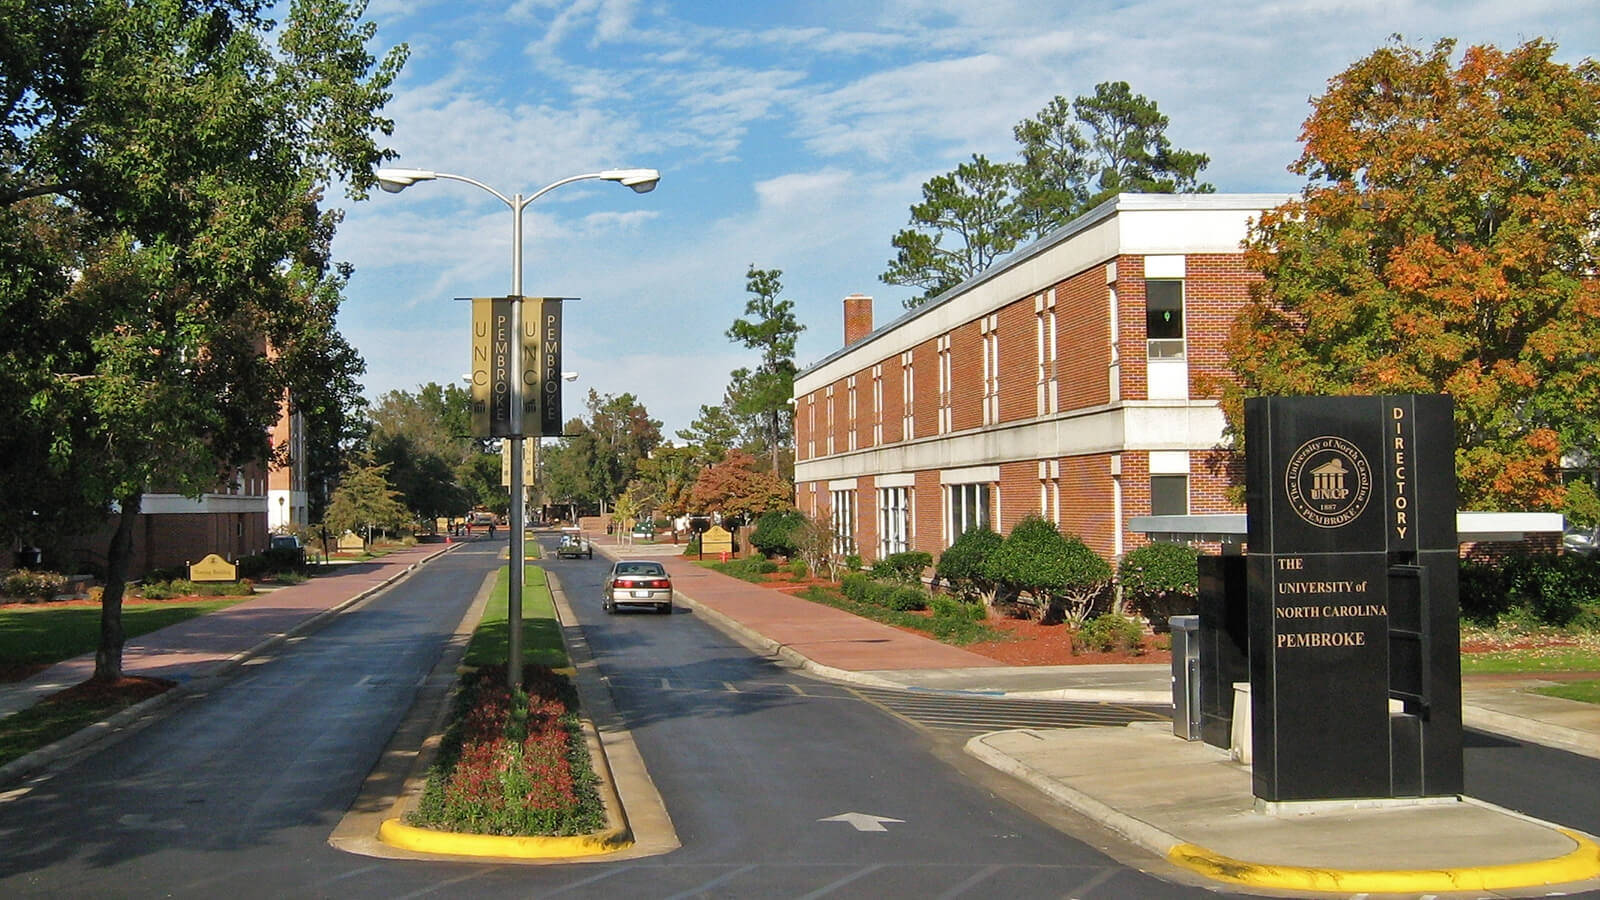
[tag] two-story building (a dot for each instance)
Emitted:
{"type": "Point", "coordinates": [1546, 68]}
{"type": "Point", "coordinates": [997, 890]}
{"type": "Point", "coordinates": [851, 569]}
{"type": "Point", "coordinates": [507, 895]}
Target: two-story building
{"type": "Point", "coordinates": [1068, 380]}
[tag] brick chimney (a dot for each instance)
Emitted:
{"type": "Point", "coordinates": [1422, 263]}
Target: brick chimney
{"type": "Point", "coordinates": [857, 318]}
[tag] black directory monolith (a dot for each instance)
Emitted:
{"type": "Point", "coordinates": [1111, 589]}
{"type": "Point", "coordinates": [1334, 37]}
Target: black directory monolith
{"type": "Point", "coordinates": [1352, 570]}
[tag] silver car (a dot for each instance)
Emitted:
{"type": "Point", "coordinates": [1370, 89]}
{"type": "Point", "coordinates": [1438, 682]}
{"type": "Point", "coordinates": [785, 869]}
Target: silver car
{"type": "Point", "coordinates": [637, 582]}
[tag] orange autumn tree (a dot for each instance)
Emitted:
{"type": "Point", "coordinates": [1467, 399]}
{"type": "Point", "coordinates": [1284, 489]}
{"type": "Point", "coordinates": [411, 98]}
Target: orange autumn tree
{"type": "Point", "coordinates": [737, 490]}
{"type": "Point", "coordinates": [1444, 243]}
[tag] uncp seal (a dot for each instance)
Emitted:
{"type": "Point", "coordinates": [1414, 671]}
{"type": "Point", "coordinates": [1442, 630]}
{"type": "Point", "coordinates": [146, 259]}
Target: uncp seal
{"type": "Point", "coordinates": [1328, 482]}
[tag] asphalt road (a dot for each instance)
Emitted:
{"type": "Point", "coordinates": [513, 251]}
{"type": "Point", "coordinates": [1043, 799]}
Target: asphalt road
{"type": "Point", "coordinates": [778, 785]}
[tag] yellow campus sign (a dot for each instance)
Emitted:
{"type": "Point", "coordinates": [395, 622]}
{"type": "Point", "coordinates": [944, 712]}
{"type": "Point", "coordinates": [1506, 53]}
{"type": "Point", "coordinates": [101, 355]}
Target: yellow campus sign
{"type": "Point", "coordinates": [213, 568]}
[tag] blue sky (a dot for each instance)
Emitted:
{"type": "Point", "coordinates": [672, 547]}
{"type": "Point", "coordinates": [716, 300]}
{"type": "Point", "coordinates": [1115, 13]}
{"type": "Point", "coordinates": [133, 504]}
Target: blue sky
{"type": "Point", "coordinates": [791, 136]}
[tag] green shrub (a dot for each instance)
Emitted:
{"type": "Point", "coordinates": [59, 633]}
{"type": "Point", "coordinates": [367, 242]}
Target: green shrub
{"type": "Point", "coordinates": [774, 534]}
{"type": "Point", "coordinates": [906, 598]}
{"type": "Point", "coordinates": [1160, 580]}
{"type": "Point", "coordinates": [182, 587]}
{"type": "Point", "coordinates": [852, 562]}
{"type": "Point", "coordinates": [1110, 633]}
{"type": "Point", "coordinates": [905, 568]}
{"type": "Point", "coordinates": [799, 569]}
{"type": "Point", "coordinates": [29, 585]}
{"type": "Point", "coordinates": [961, 566]}
{"type": "Point", "coordinates": [854, 586]}
{"type": "Point", "coordinates": [692, 548]}
{"type": "Point", "coordinates": [1533, 589]}
{"type": "Point", "coordinates": [1065, 577]}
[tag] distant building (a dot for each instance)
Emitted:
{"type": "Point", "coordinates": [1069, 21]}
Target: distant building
{"type": "Point", "coordinates": [232, 520]}
{"type": "Point", "coordinates": [1069, 380]}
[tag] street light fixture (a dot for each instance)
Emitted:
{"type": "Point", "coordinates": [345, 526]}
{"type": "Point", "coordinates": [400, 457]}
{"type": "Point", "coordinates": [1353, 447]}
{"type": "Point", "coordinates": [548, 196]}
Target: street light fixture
{"type": "Point", "coordinates": [395, 180]}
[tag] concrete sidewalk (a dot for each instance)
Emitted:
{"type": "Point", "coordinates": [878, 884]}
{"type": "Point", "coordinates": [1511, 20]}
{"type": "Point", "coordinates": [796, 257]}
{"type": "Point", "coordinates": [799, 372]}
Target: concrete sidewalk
{"type": "Point", "coordinates": [1186, 801]}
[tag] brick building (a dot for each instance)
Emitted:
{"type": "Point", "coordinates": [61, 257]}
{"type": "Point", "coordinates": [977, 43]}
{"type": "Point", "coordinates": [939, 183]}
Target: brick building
{"type": "Point", "coordinates": [1068, 380]}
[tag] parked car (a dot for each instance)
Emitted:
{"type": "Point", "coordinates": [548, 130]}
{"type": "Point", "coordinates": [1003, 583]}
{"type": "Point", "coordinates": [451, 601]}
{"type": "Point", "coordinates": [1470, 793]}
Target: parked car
{"type": "Point", "coordinates": [637, 582]}
{"type": "Point", "coordinates": [1582, 541]}
{"type": "Point", "coordinates": [573, 546]}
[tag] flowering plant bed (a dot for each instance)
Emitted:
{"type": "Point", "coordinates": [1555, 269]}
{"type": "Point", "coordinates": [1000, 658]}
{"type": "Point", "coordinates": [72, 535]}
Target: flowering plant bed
{"type": "Point", "coordinates": [512, 764]}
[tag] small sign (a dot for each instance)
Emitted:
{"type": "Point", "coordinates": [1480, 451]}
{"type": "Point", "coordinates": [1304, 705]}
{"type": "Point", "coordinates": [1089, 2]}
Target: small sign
{"type": "Point", "coordinates": [213, 568]}
{"type": "Point", "coordinates": [351, 541]}
{"type": "Point", "coordinates": [716, 540]}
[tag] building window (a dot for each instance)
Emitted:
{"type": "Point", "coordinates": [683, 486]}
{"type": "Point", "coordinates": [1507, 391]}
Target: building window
{"type": "Point", "coordinates": [850, 411]}
{"type": "Point", "coordinates": [1164, 318]}
{"type": "Point", "coordinates": [908, 397]}
{"type": "Point", "coordinates": [828, 441]}
{"type": "Point", "coordinates": [811, 426]}
{"type": "Point", "coordinates": [1050, 490]}
{"type": "Point", "coordinates": [894, 520]}
{"type": "Point", "coordinates": [877, 405]}
{"type": "Point", "coordinates": [968, 507]}
{"type": "Point", "coordinates": [1169, 495]}
{"type": "Point", "coordinates": [945, 383]}
{"type": "Point", "coordinates": [1046, 395]}
{"type": "Point", "coordinates": [991, 370]}
{"type": "Point", "coordinates": [844, 522]}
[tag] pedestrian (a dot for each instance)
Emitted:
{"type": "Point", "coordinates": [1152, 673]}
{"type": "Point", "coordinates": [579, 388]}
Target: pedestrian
{"type": "Point", "coordinates": [491, 531]}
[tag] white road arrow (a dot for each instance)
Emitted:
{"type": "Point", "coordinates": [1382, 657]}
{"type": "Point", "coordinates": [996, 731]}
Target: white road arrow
{"type": "Point", "coordinates": [863, 821]}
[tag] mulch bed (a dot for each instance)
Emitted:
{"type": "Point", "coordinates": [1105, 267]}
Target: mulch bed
{"type": "Point", "coordinates": [127, 690]}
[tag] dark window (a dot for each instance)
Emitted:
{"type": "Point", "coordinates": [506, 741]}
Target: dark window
{"type": "Point", "coordinates": [1169, 495]}
{"type": "Point", "coordinates": [1163, 310]}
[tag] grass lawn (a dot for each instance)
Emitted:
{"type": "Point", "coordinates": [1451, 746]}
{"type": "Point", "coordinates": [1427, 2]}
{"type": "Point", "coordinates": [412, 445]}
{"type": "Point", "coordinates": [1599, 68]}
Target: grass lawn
{"type": "Point", "coordinates": [1586, 691]}
{"type": "Point", "coordinates": [33, 636]}
{"type": "Point", "coordinates": [541, 635]}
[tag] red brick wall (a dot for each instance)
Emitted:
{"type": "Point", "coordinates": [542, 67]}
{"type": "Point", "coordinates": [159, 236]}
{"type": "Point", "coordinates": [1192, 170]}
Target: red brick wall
{"type": "Point", "coordinates": [925, 403]}
{"type": "Point", "coordinates": [866, 518]}
{"type": "Point", "coordinates": [1131, 327]}
{"type": "Point", "coordinates": [1019, 360]}
{"type": "Point", "coordinates": [928, 511]}
{"type": "Point", "coordinates": [1087, 501]}
{"type": "Point", "coordinates": [1083, 339]}
{"type": "Point", "coordinates": [1216, 287]}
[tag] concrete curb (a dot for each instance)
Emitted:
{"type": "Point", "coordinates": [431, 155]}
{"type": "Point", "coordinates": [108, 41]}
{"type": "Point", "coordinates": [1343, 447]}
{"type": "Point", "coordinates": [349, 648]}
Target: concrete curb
{"type": "Point", "coordinates": [1583, 863]}
{"type": "Point", "coordinates": [89, 735]}
{"type": "Point", "coordinates": [1546, 734]}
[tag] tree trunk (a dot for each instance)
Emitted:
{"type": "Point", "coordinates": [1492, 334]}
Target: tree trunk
{"type": "Point", "coordinates": [108, 656]}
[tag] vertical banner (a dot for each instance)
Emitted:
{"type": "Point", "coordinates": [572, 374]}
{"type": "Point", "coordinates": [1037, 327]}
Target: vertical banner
{"type": "Point", "coordinates": [491, 367]}
{"type": "Point", "coordinates": [481, 390]}
{"type": "Point", "coordinates": [547, 314]}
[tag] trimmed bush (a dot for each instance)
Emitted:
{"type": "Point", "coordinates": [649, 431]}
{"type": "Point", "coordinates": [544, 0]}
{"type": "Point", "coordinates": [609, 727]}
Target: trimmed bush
{"type": "Point", "coordinates": [961, 566]}
{"type": "Point", "coordinates": [1161, 580]}
{"type": "Point", "coordinates": [906, 598]}
{"type": "Point", "coordinates": [1110, 633]}
{"type": "Point", "coordinates": [775, 533]}
{"type": "Point", "coordinates": [1067, 579]}
{"type": "Point", "coordinates": [855, 585]}
{"type": "Point", "coordinates": [29, 586]}
{"type": "Point", "coordinates": [799, 569]}
{"type": "Point", "coordinates": [905, 568]}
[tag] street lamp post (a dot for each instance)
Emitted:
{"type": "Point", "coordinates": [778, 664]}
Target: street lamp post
{"type": "Point", "coordinates": [396, 180]}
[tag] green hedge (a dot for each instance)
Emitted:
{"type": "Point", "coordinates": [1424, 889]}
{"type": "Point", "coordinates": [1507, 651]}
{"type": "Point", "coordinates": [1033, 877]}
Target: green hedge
{"type": "Point", "coordinates": [1536, 589]}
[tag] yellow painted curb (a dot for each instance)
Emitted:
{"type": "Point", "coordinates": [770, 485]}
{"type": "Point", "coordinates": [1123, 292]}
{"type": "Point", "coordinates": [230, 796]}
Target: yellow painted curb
{"type": "Point", "coordinates": [425, 840]}
{"type": "Point", "coordinates": [1581, 864]}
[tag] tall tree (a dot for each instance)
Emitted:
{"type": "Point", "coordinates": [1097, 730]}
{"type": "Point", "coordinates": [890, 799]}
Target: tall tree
{"type": "Point", "coordinates": [1074, 156]}
{"type": "Point", "coordinates": [366, 500]}
{"type": "Point", "coordinates": [966, 220]}
{"type": "Point", "coordinates": [191, 154]}
{"type": "Point", "coordinates": [771, 329]}
{"type": "Point", "coordinates": [1444, 242]}
{"type": "Point", "coordinates": [600, 455]}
